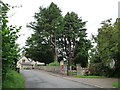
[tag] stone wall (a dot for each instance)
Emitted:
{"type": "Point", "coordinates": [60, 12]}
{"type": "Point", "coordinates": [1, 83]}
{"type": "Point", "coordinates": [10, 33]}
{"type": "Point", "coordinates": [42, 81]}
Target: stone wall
{"type": "Point", "coordinates": [54, 69]}
{"type": "Point", "coordinates": [62, 70]}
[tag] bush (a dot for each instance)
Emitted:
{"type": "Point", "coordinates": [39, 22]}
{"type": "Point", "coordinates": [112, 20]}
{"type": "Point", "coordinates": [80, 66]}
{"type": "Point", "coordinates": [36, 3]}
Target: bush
{"type": "Point", "coordinates": [117, 85]}
{"type": "Point", "coordinates": [99, 70]}
{"type": "Point", "coordinates": [13, 79]}
{"type": "Point", "coordinates": [55, 63]}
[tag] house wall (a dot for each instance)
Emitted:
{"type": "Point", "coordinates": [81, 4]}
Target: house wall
{"type": "Point", "coordinates": [26, 67]}
{"type": "Point", "coordinates": [25, 61]}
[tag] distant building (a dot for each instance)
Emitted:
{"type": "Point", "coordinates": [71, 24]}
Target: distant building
{"type": "Point", "coordinates": [27, 63]}
{"type": "Point", "coordinates": [24, 63]}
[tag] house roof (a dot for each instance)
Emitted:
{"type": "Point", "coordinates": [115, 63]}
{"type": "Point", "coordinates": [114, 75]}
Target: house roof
{"type": "Point", "coordinates": [29, 61]}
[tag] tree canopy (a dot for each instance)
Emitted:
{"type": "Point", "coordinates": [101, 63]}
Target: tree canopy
{"type": "Point", "coordinates": [106, 53]}
{"type": "Point", "coordinates": [57, 35]}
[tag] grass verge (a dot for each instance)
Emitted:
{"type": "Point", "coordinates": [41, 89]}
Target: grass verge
{"type": "Point", "coordinates": [89, 76]}
{"type": "Point", "coordinates": [116, 84]}
{"type": "Point", "coordinates": [13, 80]}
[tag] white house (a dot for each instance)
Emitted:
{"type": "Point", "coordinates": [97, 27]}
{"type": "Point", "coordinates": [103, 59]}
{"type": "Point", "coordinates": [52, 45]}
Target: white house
{"type": "Point", "coordinates": [39, 63]}
{"type": "Point", "coordinates": [24, 63]}
{"type": "Point", "coordinates": [27, 63]}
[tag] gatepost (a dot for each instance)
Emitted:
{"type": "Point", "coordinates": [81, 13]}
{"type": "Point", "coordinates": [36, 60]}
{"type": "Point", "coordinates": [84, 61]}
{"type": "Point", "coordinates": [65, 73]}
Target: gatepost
{"type": "Point", "coordinates": [79, 69]}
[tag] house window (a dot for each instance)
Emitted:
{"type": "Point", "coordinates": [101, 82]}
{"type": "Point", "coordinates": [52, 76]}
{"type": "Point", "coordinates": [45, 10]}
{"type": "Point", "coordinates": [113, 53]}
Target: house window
{"type": "Point", "coordinates": [23, 60]}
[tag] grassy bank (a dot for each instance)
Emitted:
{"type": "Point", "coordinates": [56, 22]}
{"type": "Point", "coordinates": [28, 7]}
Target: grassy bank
{"type": "Point", "coordinates": [89, 76]}
{"type": "Point", "coordinates": [13, 80]}
{"type": "Point", "coordinates": [116, 84]}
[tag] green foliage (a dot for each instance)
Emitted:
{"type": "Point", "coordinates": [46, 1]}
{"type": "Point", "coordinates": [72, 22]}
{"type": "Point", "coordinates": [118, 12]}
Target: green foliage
{"type": "Point", "coordinates": [100, 70]}
{"type": "Point", "coordinates": [13, 80]}
{"type": "Point", "coordinates": [89, 76]}
{"type": "Point", "coordinates": [75, 34]}
{"type": "Point", "coordinates": [75, 42]}
{"type": "Point", "coordinates": [9, 47]}
{"type": "Point", "coordinates": [58, 37]}
{"type": "Point", "coordinates": [43, 53]}
{"type": "Point", "coordinates": [43, 43]}
{"type": "Point", "coordinates": [106, 51]}
{"type": "Point", "coordinates": [116, 84]}
{"type": "Point", "coordinates": [55, 63]}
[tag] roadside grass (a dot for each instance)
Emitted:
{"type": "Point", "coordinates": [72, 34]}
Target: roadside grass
{"type": "Point", "coordinates": [116, 84]}
{"type": "Point", "coordinates": [13, 80]}
{"type": "Point", "coordinates": [89, 76]}
{"type": "Point", "coordinates": [73, 73]}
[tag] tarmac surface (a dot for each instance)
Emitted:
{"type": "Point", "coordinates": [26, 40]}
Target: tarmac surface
{"type": "Point", "coordinates": [43, 79]}
{"type": "Point", "coordinates": [97, 82]}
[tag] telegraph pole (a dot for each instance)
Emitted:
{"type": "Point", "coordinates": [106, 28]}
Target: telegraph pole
{"type": "Point", "coordinates": [119, 9]}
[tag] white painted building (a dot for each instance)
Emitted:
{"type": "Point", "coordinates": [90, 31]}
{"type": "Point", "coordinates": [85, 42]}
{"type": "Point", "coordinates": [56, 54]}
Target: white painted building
{"type": "Point", "coordinates": [27, 63]}
{"type": "Point", "coordinates": [24, 63]}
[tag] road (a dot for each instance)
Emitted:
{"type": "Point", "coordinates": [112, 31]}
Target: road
{"type": "Point", "coordinates": [42, 79]}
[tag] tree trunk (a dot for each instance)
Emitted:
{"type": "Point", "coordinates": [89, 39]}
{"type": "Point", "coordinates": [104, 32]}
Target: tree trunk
{"type": "Point", "coordinates": [70, 54]}
{"type": "Point", "coordinates": [56, 53]}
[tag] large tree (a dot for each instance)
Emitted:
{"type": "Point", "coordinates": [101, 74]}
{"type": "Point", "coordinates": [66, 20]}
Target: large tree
{"type": "Point", "coordinates": [61, 35]}
{"type": "Point", "coordinates": [47, 28]}
{"type": "Point", "coordinates": [106, 51]}
{"type": "Point", "coordinates": [116, 54]}
{"type": "Point", "coordinates": [74, 38]}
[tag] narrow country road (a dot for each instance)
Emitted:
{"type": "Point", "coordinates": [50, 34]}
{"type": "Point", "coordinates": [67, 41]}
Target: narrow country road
{"type": "Point", "coordinates": [42, 79]}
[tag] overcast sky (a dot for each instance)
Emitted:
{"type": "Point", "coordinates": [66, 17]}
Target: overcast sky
{"type": "Point", "coordinates": [93, 11]}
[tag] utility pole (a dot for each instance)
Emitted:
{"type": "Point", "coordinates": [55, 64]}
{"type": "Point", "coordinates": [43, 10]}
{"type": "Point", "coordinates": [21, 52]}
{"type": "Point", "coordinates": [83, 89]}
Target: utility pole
{"type": "Point", "coordinates": [119, 9]}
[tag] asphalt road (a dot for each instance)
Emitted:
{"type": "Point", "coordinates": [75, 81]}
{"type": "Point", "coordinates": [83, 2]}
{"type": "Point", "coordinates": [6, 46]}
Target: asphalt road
{"type": "Point", "coordinates": [42, 79]}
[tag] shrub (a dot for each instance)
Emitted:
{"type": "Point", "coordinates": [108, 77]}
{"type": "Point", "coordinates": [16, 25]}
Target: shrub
{"type": "Point", "coordinates": [13, 79]}
{"type": "Point", "coordinates": [99, 70]}
{"type": "Point", "coordinates": [117, 85]}
{"type": "Point", "coordinates": [55, 63]}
